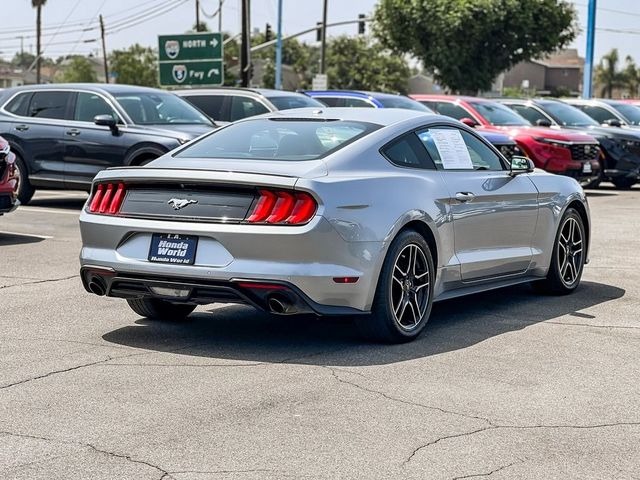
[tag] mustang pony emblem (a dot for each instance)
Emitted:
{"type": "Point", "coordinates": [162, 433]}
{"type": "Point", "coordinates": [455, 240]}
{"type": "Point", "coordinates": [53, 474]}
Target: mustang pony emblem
{"type": "Point", "coordinates": [178, 203]}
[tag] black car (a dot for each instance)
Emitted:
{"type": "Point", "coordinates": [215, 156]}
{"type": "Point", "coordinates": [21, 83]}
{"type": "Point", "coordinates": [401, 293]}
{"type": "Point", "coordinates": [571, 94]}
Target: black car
{"type": "Point", "coordinates": [64, 134]}
{"type": "Point", "coordinates": [228, 104]}
{"type": "Point", "coordinates": [620, 159]}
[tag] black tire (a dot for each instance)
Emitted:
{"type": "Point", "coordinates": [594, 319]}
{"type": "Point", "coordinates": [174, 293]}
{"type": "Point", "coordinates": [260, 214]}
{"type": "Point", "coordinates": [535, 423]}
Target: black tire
{"type": "Point", "coordinates": [157, 309]}
{"type": "Point", "coordinates": [404, 290]}
{"type": "Point", "coordinates": [623, 183]}
{"type": "Point", "coordinates": [594, 183]}
{"type": "Point", "coordinates": [567, 263]}
{"type": "Point", "coordinates": [25, 189]}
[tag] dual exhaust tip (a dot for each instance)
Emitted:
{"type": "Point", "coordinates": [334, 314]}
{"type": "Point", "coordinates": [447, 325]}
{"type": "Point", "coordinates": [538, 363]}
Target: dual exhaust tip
{"type": "Point", "coordinates": [97, 285]}
{"type": "Point", "coordinates": [280, 304]}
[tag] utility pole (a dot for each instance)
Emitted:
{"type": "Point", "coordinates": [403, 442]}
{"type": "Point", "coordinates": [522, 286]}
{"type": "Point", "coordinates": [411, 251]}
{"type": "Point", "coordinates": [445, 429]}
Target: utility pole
{"type": "Point", "coordinates": [279, 48]}
{"type": "Point", "coordinates": [39, 34]}
{"type": "Point", "coordinates": [588, 61]}
{"type": "Point", "coordinates": [245, 47]}
{"type": "Point", "coordinates": [197, 15]}
{"type": "Point", "coordinates": [104, 51]}
{"type": "Point", "coordinates": [220, 2]}
{"type": "Point", "coordinates": [323, 47]}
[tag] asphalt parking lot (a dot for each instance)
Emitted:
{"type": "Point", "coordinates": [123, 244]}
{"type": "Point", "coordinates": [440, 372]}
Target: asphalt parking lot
{"type": "Point", "coordinates": [506, 384]}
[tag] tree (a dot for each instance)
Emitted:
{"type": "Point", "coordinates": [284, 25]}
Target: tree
{"type": "Point", "coordinates": [607, 74]}
{"type": "Point", "coordinates": [355, 63]}
{"type": "Point", "coordinates": [302, 57]}
{"type": "Point", "coordinates": [23, 59]}
{"type": "Point", "coordinates": [136, 65]}
{"type": "Point", "coordinates": [79, 70]}
{"type": "Point", "coordinates": [38, 4]}
{"type": "Point", "coordinates": [631, 76]}
{"type": "Point", "coordinates": [466, 44]}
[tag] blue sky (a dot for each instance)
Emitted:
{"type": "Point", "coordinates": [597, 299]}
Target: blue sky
{"type": "Point", "coordinates": [617, 21]}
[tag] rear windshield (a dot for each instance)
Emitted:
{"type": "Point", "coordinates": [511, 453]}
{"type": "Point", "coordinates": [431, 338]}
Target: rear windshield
{"type": "Point", "coordinates": [278, 139]}
{"type": "Point", "coordinates": [499, 115]}
{"type": "Point", "coordinates": [294, 101]}
{"type": "Point", "coordinates": [630, 112]}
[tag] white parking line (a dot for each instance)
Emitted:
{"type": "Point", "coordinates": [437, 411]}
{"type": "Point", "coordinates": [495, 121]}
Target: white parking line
{"type": "Point", "coordinates": [47, 210]}
{"type": "Point", "coordinates": [32, 235]}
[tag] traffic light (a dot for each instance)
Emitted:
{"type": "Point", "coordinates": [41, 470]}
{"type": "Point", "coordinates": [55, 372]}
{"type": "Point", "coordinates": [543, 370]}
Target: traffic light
{"type": "Point", "coordinates": [267, 33]}
{"type": "Point", "coordinates": [361, 18]}
{"type": "Point", "coordinates": [318, 31]}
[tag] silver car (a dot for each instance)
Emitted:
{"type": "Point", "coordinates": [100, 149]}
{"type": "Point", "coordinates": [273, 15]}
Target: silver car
{"type": "Point", "coordinates": [372, 213]}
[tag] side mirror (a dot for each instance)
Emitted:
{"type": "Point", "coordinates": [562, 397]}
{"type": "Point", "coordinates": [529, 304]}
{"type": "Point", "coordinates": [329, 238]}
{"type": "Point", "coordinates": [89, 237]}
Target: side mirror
{"type": "Point", "coordinates": [543, 122]}
{"type": "Point", "coordinates": [106, 120]}
{"type": "Point", "coordinates": [613, 122]}
{"type": "Point", "coordinates": [520, 165]}
{"type": "Point", "coordinates": [469, 122]}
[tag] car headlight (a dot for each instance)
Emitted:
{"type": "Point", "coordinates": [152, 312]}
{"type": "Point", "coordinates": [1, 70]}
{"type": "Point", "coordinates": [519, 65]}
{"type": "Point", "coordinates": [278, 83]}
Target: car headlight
{"type": "Point", "coordinates": [554, 143]}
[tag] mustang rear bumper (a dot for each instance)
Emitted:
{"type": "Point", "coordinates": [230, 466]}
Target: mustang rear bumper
{"type": "Point", "coordinates": [306, 259]}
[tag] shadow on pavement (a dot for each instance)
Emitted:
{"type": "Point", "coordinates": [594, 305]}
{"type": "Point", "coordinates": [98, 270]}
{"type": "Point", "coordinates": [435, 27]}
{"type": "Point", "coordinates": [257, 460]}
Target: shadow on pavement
{"type": "Point", "coordinates": [241, 333]}
{"type": "Point", "coordinates": [17, 239]}
{"type": "Point", "coordinates": [69, 203]}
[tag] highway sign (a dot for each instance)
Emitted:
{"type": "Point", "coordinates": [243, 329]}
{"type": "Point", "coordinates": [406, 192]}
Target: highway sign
{"type": "Point", "coordinates": [191, 59]}
{"type": "Point", "coordinates": [195, 72]}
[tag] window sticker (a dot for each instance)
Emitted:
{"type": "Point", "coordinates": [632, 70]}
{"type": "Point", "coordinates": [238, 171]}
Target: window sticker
{"type": "Point", "coordinates": [452, 149]}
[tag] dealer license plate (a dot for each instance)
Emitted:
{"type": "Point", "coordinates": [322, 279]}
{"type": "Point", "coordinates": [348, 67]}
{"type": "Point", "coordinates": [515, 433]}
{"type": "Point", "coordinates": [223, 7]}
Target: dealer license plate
{"type": "Point", "coordinates": [173, 248]}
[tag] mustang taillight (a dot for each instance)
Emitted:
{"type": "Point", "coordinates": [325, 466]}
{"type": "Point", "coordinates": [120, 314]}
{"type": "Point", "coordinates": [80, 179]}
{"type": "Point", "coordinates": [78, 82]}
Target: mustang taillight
{"type": "Point", "coordinates": [282, 207]}
{"type": "Point", "coordinates": [107, 198]}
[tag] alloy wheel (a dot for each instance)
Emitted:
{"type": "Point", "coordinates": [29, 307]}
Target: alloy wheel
{"type": "Point", "coordinates": [570, 251]}
{"type": "Point", "coordinates": [410, 286]}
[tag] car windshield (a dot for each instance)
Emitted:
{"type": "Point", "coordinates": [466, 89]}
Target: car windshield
{"type": "Point", "coordinates": [630, 112]}
{"type": "Point", "coordinates": [403, 102]}
{"type": "Point", "coordinates": [278, 139]}
{"type": "Point", "coordinates": [287, 102]}
{"type": "Point", "coordinates": [499, 115]}
{"type": "Point", "coordinates": [159, 108]}
{"type": "Point", "coordinates": [568, 116]}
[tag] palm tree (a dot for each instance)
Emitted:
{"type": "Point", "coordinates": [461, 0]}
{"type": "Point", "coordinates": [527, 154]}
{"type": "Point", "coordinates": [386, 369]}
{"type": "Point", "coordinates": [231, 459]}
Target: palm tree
{"type": "Point", "coordinates": [38, 4]}
{"type": "Point", "coordinates": [607, 73]}
{"type": "Point", "coordinates": [631, 76]}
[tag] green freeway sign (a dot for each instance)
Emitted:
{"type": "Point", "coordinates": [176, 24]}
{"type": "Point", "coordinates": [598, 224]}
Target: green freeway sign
{"type": "Point", "coordinates": [195, 72]}
{"type": "Point", "coordinates": [190, 46]}
{"type": "Point", "coordinates": [191, 59]}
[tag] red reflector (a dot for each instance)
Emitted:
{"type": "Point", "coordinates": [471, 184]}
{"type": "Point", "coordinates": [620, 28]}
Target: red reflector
{"type": "Point", "coordinates": [114, 207]}
{"type": "Point", "coordinates": [262, 286]}
{"type": "Point", "coordinates": [283, 207]}
{"type": "Point", "coordinates": [303, 210]}
{"type": "Point", "coordinates": [345, 279]}
{"type": "Point", "coordinates": [104, 204]}
{"type": "Point", "coordinates": [97, 197]}
{"type": "Point", "coordinates": [264, 206]}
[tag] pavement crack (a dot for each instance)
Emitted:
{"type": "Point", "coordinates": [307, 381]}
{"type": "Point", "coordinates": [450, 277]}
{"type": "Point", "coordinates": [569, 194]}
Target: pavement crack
{"type": "Point", "coordinates": [488, 474]}
{"type": "Point", "coordinates": [48, 280]}
{"type": "Point", "coordinates": [334, 373]}
{"type": "Point", "coordinates": [573, 324]}
{"type": "Point", "coordinates": [516, 427]}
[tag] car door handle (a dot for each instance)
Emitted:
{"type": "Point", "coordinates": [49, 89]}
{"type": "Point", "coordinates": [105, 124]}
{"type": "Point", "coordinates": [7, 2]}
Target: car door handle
{"type": "Point", "coordinates": [465, 196]}
{"type": "Point", "coordinates": [74, 132]}
{"type": "Point", "coordinates": [22, 128]}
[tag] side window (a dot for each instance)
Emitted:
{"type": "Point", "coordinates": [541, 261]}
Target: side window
{"type": "Point", "coordinates": [451, 110]}
{"type": "Point", "coordinates": [454, 149]}
{"type": "Point", "coordinates": [88, 105]}
{"type": "Point", "coordinates": [50, 105]}
{"type": "Point", "coordinates": [357, 102]}
{"type": "Point", "coordinates": [331, 101]}
{"type": "Point", "coordinates": [408, 151]}
{"type": "Point", "coordinates": [243, 107]}
{"type": "Point", "coordinates": [18, 105]}
{"type": "Point", "coordinates": [212, 105]}
{"type": "Point", "coordinates": [529, 113]}
{"type": "Point", "coordinates": [601, 115]}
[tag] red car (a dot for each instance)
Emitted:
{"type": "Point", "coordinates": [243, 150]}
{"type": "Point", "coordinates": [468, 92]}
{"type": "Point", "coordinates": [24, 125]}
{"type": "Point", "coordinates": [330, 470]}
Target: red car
{"type": "Point", "coordinates": [9, 179]}
{"type": "Point", "coordinates": [566, 153]}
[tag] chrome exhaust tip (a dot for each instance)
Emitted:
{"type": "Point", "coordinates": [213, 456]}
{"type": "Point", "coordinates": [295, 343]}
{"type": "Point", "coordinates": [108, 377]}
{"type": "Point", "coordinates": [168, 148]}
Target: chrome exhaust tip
{"type": "Point", "coordinates": [281, 305]}
{"type": "Point", "coordinates": [97, 286]}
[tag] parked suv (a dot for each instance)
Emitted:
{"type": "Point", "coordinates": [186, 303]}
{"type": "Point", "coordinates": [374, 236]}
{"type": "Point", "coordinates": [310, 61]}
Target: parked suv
{"type": "Point", "coordinates": [574, 154]}
{"type": "Point", "coordinates": [9, 178]}
{"type": "Point", "coordinates": [620, 147]}
{"type": "Point", "coordinates": [229, 104]}
{"type": "Point", "coordinates": [610, 113]}
{"type": "Point", "coordinates": [64, 134]}
{"type": "Point", "coordinates": [356, 98]}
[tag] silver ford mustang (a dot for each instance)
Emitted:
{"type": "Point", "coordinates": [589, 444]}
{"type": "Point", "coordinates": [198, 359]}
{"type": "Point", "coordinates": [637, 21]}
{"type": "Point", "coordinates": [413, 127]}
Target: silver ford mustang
{"type": "Point", "coordinates": [373, 213]}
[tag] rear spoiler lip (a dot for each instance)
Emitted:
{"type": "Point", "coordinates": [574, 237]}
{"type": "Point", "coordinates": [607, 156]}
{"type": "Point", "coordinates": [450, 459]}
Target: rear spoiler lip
{"type": "Point", "coordinates": [173, 169]}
